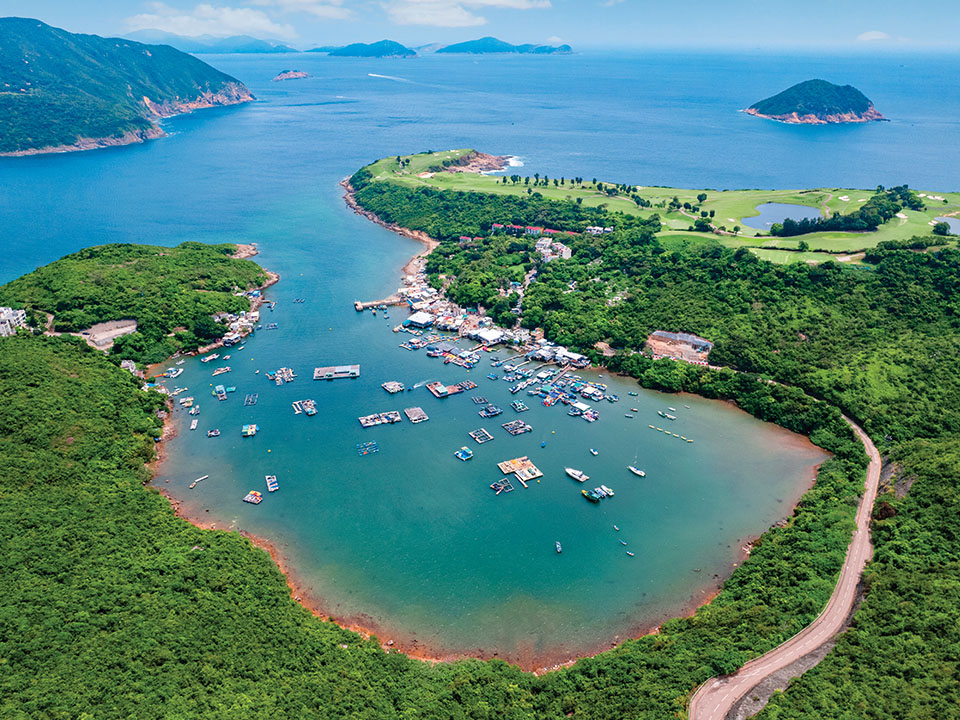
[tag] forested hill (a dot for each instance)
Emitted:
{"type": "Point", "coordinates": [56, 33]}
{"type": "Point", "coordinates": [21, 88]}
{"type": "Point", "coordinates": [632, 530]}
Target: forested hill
{"type": "Point", "coordinates": [817, 102]}
{"type": "Point", "coordinates": [384, 48]}
{"type": "Point", "coordinates": [60, 90]}
{"type": "Point", "coordinates": [491, 45]}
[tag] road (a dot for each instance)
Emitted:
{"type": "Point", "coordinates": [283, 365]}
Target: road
{"type": "Point", "coordinates": [717, 696]}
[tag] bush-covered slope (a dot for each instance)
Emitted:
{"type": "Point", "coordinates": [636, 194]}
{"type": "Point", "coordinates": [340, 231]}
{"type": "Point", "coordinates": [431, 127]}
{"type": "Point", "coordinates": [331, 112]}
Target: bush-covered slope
{"type": "Point", "coordinates": [57, 87]}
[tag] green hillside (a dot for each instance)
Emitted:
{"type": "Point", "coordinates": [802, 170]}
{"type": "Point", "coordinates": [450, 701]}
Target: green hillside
{"type": "Point", "coordinates": [491, 45]}
{"type": "Point", "coordinates": [384, 48]}
{"type": "Point", "coordinates": [57, 87]}
{"type": "Point", "coordinates": [815, 97]}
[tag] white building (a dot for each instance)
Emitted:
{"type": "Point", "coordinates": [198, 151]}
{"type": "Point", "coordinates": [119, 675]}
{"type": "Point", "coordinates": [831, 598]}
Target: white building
{"type": "Point", "coordinates": [10, 320]}
{"type": "Point", "coordinates": [489, 336]}
{"type": "Point", "coordinates": [420, 319]}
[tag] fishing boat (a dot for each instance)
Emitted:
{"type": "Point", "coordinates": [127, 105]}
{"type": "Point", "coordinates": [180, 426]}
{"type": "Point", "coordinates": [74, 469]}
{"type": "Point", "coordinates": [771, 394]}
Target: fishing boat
{"type": "Point", "coordinates": [630, 553]}
{"type": "Point", "coordinates": [559, 548]}
{"type": "Point", "coordinates": [607, 490]}
{"type": "Point", "coordinates": [593, 451]}
{"type": "Point", "coordinates": [636, 471]}
{"type": "Point", "coordinates": [590, 495]}
{"type": "Point", "coordinates": [213, 433]}
{"type": "Point", "coordinates": [623, 542]}
{"type": "Point", "coordinates": [578, 475]}
{"type": "Point", "coordinates": [464, 453]}
{"type": "Point", "coordinates": [194, 423]}
{"type": "Point", "coordinates": [272, 484]}
{"type": "Point", "coordinates": [254, 497]}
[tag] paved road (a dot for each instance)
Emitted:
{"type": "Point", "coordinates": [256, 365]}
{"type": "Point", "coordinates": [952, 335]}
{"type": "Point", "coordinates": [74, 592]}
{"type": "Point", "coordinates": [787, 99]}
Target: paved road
{"type": "Point", "coordinates": [717, 696]}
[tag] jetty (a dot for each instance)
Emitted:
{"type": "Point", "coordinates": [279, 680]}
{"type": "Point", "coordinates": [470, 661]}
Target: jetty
{"type": "Point", "coordinates": [481, 436]}
{"type": "Point", "coordinates": [336, 372]}
{"type": "Point", "coordinates": [416, 415]}
{"type": "Point", "coordinates": [360, 305]}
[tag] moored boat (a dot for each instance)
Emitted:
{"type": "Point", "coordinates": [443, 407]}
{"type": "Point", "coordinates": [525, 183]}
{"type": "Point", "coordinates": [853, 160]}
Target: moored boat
{"type": "Point", "coordinates": [559, 548]}
{"type": "Point", "coordinates": [213, 433]}
{"type": "Point", "coordinates": [272, 484]}
{"type": "Point", "coordinates": [593, 451]}
{"type": "Point", "coordinates": [254, 497]}
{"type": "Point", "coordinates": [194, 423]}
{"type": "Point", "coordinates": [590, 495]}
{"type": "Point", "coordinates": [636, 471]}
{"type": "Point", "coordinates": [464, 453]}
{"type": "Point", "coordinates": [578, 475]}
{"type": "Point", "coordinates": [607, 490]}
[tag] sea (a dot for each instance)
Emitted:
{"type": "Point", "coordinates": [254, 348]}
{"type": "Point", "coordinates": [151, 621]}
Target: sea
{"type": "Point", "coordinates": [410, 542]}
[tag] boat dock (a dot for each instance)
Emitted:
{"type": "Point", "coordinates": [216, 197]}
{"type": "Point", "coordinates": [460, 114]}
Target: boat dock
{"type": "Point", "coordinates": [197, 481]}
{"type": "Point", "coordinates": [336, 372]}
{"type": "Point", "coordinates": [360, 305]}
{"type": "Point", "coordinates": [384, 418]}
{"type": "Point", "coordinates": [416, 415]}
{"type": "Point", "coordinates": [481, 436]}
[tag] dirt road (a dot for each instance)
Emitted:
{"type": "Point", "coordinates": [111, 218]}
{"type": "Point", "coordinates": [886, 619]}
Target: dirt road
{"type": "Point", "coordinates": [717, 696]}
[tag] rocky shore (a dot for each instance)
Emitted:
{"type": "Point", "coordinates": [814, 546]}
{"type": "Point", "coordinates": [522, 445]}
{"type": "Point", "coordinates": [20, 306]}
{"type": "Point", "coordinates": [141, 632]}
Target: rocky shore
{"type": "Point", "coordinates": [870, 115]}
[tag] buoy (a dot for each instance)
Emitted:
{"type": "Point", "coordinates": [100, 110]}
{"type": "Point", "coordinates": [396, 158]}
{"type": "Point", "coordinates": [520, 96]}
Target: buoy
{"type": "Point", "coordinates": [554, 432]}
{"type": "Point", "coordinates": [269, 450]}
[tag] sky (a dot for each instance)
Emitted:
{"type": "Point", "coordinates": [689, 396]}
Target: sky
{"type": "Point", "coordinates": [855, 25]}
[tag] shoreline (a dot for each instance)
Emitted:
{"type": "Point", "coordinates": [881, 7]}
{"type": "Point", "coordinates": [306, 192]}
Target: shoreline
{"type": "Point", "coordinates": [393, 641]}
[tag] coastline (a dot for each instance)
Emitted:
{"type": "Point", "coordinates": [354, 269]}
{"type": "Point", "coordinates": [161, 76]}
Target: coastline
{"type": "Point", "coordinates": [871, 115]}
{"type": "Point", "coordinates": [232, 94]}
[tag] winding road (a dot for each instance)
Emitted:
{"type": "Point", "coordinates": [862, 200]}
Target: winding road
{"type": "Point", "coordinates": [717, 696]}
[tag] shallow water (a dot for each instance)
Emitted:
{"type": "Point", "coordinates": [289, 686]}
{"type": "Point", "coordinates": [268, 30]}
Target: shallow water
{"type": "Point", "coordinates": [771, 213]}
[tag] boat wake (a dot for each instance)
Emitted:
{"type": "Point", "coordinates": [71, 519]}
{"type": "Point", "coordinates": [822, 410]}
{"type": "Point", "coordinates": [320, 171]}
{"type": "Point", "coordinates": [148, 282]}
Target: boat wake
{"type": "Point", "coordinates": [389, 77]}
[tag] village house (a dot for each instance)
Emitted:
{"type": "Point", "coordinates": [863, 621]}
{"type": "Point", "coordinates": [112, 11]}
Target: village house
{"type": "Point", "coordinates": [10, 320]}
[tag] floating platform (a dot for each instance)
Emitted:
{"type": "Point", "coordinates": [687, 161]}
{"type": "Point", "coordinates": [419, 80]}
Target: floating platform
{"type": "Point", "coordinates": [416, 415]}
{"type": "Point", "coordinates": [481, 436]}
{"type": "Point", "coordinates": [517, 427]}
{"type": "Point", "coordinates": [251, 399]}
{"type": "Point", "coordinates": [336, 372]}
{"type": "Point", "coordinates": [384, 418]}
{"type": "Point", "coordinates": [521, 468]}
{"type": "Point", "coordinates": [393, 387]}
{"type": "Point", "coordinates": [272, 484]}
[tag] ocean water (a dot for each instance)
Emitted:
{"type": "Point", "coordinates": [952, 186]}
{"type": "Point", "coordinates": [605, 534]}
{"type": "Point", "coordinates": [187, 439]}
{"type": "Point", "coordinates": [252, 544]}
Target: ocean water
{"type": "Point", "coordinates": [411, 541]}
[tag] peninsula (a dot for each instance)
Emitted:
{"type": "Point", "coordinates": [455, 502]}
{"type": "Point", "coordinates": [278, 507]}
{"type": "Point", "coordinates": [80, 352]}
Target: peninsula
{"type": "Point", "coordinates": [65, 92]}
{"type": "Point", "coordinates": [817, 102]}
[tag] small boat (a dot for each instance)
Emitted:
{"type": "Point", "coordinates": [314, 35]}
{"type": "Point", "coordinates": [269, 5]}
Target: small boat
{"type": "Point", "coordinates": [672, 409]}
{"type": "Point", "coordinates": [249, 430]}
{"type": "Point", "coordinates": [174, 372]}
{"type": "Point", "coordinates": [634, 410]}
{"type": "Point", "coordinates": [578, 475]}
{"type": "Point", "coordinates": [593, 451]}
{"type": "Point", "coordinates": [543, 443]}
{"type": "Point", "coordinates": [194, 423]}
{"type": "Point", "coordinates": [221, 370]}
{"type": "Point", "coordinates": [464, 453]}
{"type": "Point", "coordinates": [213, 433]}
{"type": "Point", "coordinates": [632, 393]}
{"type": "Point", "coordinates": [617, 528]}
{"type": "Point", "coordinates": [630, 553]}
{"type": "Point", "coordinates": [590, 495]}
{"type": "Point", "coordinates": [208, 358]}
{"type": "Point", "coordinates": [254, 497]}
{"type": "Point", "coordinates": [607, 490]}
{"type": "Point", "coordinates": [623, 542]}
{"type": "Point", "coordinates": [272, 484]}
{"type": "Point", "coordinates": [493, 376]}
{"type": "Point", "coordinates": [195, 410]}
{"type": "Point", "coordinates": [226, 357]}
{"type": "Point", "coordinates": [636, 471]}
{"type": "Point", "coordinates": [628, 415]}
{"type": "Point", "coordinates": [197, 481]}
{"type": "Point", "coordinates": [559, 548]}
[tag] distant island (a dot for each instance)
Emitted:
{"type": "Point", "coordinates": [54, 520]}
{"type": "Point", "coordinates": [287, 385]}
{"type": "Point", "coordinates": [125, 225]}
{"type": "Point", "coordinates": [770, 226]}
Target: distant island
{"type": "Point", "coordinates": [210, 45]}
{"type": "Point", "coordinates": [382, 49]}
{"type": "Point", "coordinates": [80, 92]}
{"type": "Point", "coordinates": [492, 45]}
{"type": "Point", "coordinates": [291, 75]}
{"type": "Point", "coordinates": [817, 102]}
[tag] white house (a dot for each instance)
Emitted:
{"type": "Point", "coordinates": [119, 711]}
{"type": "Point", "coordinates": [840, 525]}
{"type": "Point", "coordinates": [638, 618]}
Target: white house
{"type": "Point", "coordinates": [10, 320]}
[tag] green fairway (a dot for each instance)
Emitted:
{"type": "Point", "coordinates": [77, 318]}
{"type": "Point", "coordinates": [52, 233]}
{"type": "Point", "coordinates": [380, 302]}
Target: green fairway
{"type": "Point", "coordinates": [729, 207]}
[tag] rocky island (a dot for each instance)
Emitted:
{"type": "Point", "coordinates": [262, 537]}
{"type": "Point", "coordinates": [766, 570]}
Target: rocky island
{"type": "Point", "coordinates": [381, 49]}
{"type": "Point", "coordinates": [291, 75]}
{"type": "Point", "coordinates": [817, 102]}
{"type": "Point", "coordinates": [62, 91]}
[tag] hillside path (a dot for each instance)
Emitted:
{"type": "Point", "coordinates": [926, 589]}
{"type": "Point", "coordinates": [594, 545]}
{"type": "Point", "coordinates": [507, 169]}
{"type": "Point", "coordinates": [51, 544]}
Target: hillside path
{"type": "Point", "coordinates": [717, 696]}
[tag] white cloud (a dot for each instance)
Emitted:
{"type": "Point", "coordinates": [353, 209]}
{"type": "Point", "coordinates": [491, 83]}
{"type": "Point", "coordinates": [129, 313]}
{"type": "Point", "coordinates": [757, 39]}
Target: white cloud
{"type": "Point", "coordinates": [452, 13]}
{"type": "Point", "coordinates": [611, 3]}
{"type": "Point", "coordinates": [554, 40]}
{"type": "Point", "coordinates": [326, 9]}
{"type": "Point", "coordinates": [206, 19]}
{"type": "Point", "coordinates": [872, 36]}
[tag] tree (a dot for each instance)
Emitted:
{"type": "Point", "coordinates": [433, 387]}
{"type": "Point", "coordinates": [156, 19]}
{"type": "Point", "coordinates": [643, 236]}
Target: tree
{"type": "Point", "coordinates": [736, 229]}
{"type": "Point", "coordinates": [702, 197]}
{"type": "Point", "coordinates": [803, 246]}
{"type": "Point", "coordinates": [941, 228]}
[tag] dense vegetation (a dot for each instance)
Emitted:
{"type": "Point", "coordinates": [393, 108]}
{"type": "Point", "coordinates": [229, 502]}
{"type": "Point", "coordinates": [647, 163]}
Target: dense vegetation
{"type": "Point", "coordinates": [56, 87]}
{"type": "Point", "coordinates": [384, 48]}
{"type": "Point", "coordinates": [171, 293]}
{"type": "Point", "coordinates": [901, 658]}
{"type": "Point", "coordinates": [815, 97]}
{"type": "Point", "coordinates": [880, 208]}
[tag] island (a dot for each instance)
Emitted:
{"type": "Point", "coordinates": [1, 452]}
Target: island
{"type": "Point", "coordinates": [381, 49]}
{"type": "Point", "coordinates": [491, 45]}
{"type": "Point", "coordinates": [817, 102]}
{"type": "Point", "coordinates": [291, 75]}
{"type": "Point", "coordinates": [209, 45]}
{"type": "Point", "coordinates": [79, 92]}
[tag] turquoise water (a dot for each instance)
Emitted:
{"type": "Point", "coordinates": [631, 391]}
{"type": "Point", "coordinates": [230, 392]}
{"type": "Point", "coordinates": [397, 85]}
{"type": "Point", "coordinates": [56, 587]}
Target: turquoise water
{"type": "Point", "coordinates": [771, 213]}
{"type": "Point", "coordinates": [411, 540]}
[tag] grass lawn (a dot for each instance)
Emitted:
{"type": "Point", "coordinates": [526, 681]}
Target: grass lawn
{"type": "Point", "coordinates": [729, 206]}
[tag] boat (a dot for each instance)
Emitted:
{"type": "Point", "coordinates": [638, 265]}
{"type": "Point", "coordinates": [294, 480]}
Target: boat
{"type": "Point", "coordinates": [464, 453]}
{"type": "Point", "coordinates": [632, 393]}
{"type": "Point", "coordinates": [559, 548]}
{"type": "Point", "coordinates": [249, 430]}
{"type": "Point", "coordinates": [630, 553]}
{"type": "Point", "coordinates": [628, 415]}
{"type": "Point", "coordinates": [195, 410]}
{"type": "Point", "coordinates": [590, 495]}
{"type": "Point", "coordinates": [194, 423]}
{"type": "Point", "coordinates": [607, 490]}
{"type": "Point", "coordinates": [634, 410]}
{"type": "Point", "coordinates": [213, 433]}
{"type": "Point", "coordinates": [617, 528]}
{"type": "Point", "coordinates": [623, 542]}
{"type": "Point", "coordinates": [272, 485]}
{"type": "Point", "coordinates": [672, 409]}
{"type": "Point", "coordinates": [493, 376]}
{"type": "Point", "coordinates": [208, 358]}
{"type": "Point", "coordinates": [197, 481]}
{"type": "Point", "coordinates": [174, 372]}
{"type": "Point", "coordinates": [636, 471]}
{"type": "Point", "coordinates": [593, 451]}
{"type": "Point", "coordinates": [578, 475]}
{"type": "Point", "coordinates": [253, 497]}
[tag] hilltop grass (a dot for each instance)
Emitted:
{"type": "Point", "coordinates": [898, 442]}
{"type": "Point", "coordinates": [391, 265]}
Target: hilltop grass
{"type": "Point", "coordinates": [730, 207]}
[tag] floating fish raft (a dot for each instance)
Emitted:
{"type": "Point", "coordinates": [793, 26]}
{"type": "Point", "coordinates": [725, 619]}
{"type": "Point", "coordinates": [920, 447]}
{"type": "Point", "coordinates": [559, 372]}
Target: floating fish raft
{"type": "Point", "coordinates": [517, 427]}
{"type": "Point", "coordinates": [384, 418]}
{"type": "Point", "coordinates": [416, 415]}
{"type": "Point", "coordinates": [481, 436]}
{"type": "Point", "coordinates": [367, 448]}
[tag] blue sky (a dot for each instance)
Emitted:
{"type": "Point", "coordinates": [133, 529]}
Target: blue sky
{"type": "Point", "coordinates": [865, 25]}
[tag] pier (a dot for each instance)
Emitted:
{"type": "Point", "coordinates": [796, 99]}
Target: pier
{"type": "Point", "coordinates": [360, 306]}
